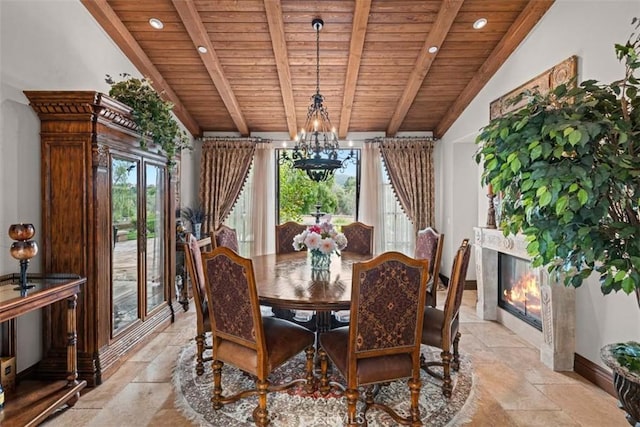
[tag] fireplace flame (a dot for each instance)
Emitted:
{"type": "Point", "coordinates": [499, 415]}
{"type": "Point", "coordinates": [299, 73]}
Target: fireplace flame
{"type": "Point", "coordinates": [525, 295]}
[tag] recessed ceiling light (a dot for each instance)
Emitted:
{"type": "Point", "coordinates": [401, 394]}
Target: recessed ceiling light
{"type": "Point", "coordinates": [202, 49]}
{"type": "Point", "coordinates": [480, 23]}
{"type": "Point", "coordinates": [433, 49]}
{"type": "Point", "coordinates": [156, 23]}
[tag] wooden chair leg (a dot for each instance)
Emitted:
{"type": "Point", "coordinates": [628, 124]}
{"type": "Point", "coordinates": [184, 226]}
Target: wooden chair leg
{"type": "Point", "coordinates": [260, 414]}
{"type": "Point", "coordinates": [352, 400]}
{"type": "Point", "coordinates": [414, 388]}
{"type": "Point", "coordinates": [199, 353]}
{"type": "Point", "coordinates": [311, 379]}
{"type": "Point", "coordinates": [456, 356]}
{"type": "Point", "coordinates": [216, 366]}
{"type": "Point", "coordinates": [446, 374]}
{"type": "Point", "coordinates": [324, 380]}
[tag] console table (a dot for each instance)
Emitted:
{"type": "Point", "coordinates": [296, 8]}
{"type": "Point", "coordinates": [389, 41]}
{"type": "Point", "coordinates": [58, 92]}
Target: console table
{"type": "Point", "coordinates": [31, 407]}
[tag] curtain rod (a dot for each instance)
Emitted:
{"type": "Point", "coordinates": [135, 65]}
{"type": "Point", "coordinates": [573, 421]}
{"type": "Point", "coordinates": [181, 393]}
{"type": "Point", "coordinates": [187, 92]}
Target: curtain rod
{"type": "Point", "coordinates": [402, 139]}
{"type": "Point", "coordinates": [255, 139]}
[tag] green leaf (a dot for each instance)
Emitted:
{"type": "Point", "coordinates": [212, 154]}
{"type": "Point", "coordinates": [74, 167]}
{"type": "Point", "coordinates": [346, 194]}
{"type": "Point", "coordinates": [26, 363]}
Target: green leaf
{"type": "Point", "coordinates": [627, 285]}
{"type": "Point", "coordinates": [620, 275]}
{"type": "Point", "coordinates": [561, 205]}
{"type": "Point", "coordinates": [536, 152]}
{"type": "Point", "coordinates": [541, 191]}
{"type": "Point", "coordinates": [583, 197]}
{"type": "Point", "coordinates": [515, 165]}
{"type": "Point", "coordinates": [545, 199]}
{"type": "Point", "coordinates": [575, 137]}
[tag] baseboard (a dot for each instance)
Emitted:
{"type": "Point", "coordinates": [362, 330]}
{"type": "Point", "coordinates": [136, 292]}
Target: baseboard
{"type": "Point", "coordinates": [594, 373]}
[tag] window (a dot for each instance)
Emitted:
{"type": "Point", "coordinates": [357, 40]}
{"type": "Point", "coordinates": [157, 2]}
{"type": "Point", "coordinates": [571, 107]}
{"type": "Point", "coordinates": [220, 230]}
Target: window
{"type": "Point", "coordinates": [240, 217]}
{"type": "Point", "coordinates": [298, 197]}
{"type": "Point", "coordinates": [398, 230]}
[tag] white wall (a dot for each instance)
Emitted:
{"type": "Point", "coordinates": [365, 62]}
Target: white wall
{"type": "Point", "coordinates": [588, 29]}
{"type": "Point", "coordinates": [44, 45]}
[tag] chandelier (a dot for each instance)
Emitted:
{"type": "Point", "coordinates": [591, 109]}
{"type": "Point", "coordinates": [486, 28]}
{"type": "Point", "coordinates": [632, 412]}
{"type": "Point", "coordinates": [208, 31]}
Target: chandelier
{"type": "Point", "coordinates": [316, 146]}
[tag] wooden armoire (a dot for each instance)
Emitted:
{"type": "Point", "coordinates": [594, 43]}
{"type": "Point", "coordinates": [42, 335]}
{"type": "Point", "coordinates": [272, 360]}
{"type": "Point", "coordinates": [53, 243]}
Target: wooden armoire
{"type": "Point", "coordinates": [107, 214]}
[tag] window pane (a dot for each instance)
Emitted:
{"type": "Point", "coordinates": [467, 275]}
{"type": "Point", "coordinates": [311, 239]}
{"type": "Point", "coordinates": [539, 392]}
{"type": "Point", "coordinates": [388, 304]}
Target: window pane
{"type": "Point", "coordinates": [299, 198]}
{"type": "Point", "coordinates": [240, 217]}
{"type": "Point", "coordinates": [398, 229]}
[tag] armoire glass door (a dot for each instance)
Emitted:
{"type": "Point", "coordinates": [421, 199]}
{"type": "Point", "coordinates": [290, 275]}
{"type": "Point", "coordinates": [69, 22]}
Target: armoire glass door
{"type": "Point", "coordinates": [154, 233]}
{"type": "Point", "coordinates": [124, 261]}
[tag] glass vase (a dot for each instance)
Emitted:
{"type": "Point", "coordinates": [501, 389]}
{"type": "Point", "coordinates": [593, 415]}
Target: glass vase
{"type": "Point", "coordinates": [320, 261]}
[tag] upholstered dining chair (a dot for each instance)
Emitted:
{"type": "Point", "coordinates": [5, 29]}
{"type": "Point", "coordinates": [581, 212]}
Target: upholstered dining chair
{"type": "Point", "coordinates": [441, 326]}
{"type": "Point", "coordinates": [285, 234]}
{"type": "Point", "coordinates": [359, 238]}
{"type": "Point", "coordinates": [284, 244]}
{"type": "Point", "coordinates": [226, 236]}
{"type": "Point", "coordinates": [382, 342]}
{"type": "Point", "coordinates": [429, 244]}
{"type": "Point", "coordinates": [193, 262]}
{"type": "Point", "coordinates": [242, 337]}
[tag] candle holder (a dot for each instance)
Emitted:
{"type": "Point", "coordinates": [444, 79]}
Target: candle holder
{"type": "Point", "coordinates": [23, 249]}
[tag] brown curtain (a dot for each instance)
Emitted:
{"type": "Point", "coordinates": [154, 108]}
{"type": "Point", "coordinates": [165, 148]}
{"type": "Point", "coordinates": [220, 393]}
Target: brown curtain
{"type": "Point", "coordinates": [409, 163]}
{"type": "Point", "coordinates": [224, 167]}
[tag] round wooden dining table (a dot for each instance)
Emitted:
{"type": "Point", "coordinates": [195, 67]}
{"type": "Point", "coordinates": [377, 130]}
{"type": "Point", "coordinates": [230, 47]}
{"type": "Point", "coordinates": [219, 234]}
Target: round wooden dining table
{"type": "Point", "coordinates": [286, 281]}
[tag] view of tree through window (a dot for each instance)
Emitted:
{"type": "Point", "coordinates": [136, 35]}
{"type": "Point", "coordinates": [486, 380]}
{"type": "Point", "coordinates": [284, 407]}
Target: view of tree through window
{"type": "Point", "coordinates": [298, 195]}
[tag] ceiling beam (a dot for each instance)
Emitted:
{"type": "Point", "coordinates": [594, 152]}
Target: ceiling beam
{"type": "Point", "coordinates": [276, 29]}
{"type": "Point", "coordinates": [108, 19]}
{"type": "Point", "coordinates": [358, 32]}
{"type": "Point", "coordinates": [523, 24]}
{"type": "Point", "coordinates": [198, 33]}
{"type": "Point", "coordinates": [446, 15]}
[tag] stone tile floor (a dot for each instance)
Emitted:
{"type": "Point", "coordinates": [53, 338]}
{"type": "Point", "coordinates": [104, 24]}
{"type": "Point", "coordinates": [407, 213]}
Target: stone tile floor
{"type": "Point", "coordinates": [512, 386]}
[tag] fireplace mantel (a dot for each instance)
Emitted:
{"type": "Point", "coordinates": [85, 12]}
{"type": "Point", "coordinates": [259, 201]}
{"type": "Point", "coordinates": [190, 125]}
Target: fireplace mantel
{"type": "Point", "coordinates": [557, 343]}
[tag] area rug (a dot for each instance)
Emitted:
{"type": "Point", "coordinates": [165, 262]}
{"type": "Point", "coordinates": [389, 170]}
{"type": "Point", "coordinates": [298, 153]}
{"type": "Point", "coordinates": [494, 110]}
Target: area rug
{"type": "Point", "coordinates": [293, 408]}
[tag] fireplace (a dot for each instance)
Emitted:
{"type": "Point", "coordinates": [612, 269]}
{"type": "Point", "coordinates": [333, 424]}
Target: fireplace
{"type": "Point", "coordinates": [519, 289]}
{"type": "Point", "coordinates": [545, 318]}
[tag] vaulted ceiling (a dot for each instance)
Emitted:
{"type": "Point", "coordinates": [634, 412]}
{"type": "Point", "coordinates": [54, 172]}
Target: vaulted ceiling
{"type": "Point", "coordinates": [376, 72]}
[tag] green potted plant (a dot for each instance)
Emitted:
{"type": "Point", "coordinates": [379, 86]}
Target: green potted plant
{"type": "Point", "coordinates": [567, 166]}
{"type": "Point", "coordinates": [151, 114]}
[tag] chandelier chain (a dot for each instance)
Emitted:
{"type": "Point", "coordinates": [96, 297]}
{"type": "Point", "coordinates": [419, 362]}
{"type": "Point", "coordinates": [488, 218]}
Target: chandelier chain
{"type": "Point", "coordinates": [318, 27]}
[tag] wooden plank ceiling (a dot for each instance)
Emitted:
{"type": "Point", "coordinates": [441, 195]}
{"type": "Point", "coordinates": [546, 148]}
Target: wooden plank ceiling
{"type": "Point", "coordinates": [376, 72]}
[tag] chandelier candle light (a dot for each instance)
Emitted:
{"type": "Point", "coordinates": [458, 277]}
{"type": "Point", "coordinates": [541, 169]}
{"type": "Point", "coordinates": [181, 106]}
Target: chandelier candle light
{"type": "Point", "coordinates": [321, 240]}
{"type": "Point", "coordinates": [316, 146]}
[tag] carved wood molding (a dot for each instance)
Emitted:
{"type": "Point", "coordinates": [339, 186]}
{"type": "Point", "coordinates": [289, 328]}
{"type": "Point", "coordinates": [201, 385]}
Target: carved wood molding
{"type": "Point", "coordinates": [543, 83]}
{"type": "Point", "coordinates": [68, 105]}
{"type": "Point", "coordinates": [100, 155]}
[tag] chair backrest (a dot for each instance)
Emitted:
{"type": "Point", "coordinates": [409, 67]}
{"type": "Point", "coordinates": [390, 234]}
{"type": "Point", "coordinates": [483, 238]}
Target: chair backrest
{"type": "Point", "coordinates": [359, 238]}
{"type": "Point", "coordinates": [429, 244]}
{"type": "Point", "coordinates": [456, 285]}
{"type": "Point", "coordinates": [227, 237]}
{"type": "Point", "coordinates": [234, 308]}
{"type": "Point", "coordinates": [387, 306]}
{"type": "Point", "coordinates": [285, 234]}
{"type": "Point", "coordinates": [193, 261]}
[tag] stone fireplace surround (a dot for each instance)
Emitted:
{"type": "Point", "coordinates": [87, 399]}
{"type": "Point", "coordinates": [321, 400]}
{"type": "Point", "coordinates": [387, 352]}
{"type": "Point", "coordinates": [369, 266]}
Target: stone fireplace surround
{"type": "Point", "coordinates": [556, 342]}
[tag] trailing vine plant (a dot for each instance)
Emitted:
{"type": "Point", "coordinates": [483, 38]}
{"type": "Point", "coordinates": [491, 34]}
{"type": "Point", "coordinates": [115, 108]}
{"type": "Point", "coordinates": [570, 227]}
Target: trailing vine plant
{"type": "Point", "coordinates": [151, 114]}
{"type": "Point", "coordinates": [568, 167]}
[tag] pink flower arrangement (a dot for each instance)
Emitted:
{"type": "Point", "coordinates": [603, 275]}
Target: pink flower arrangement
{"type": "Point", "coordinates": [321, 237]}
